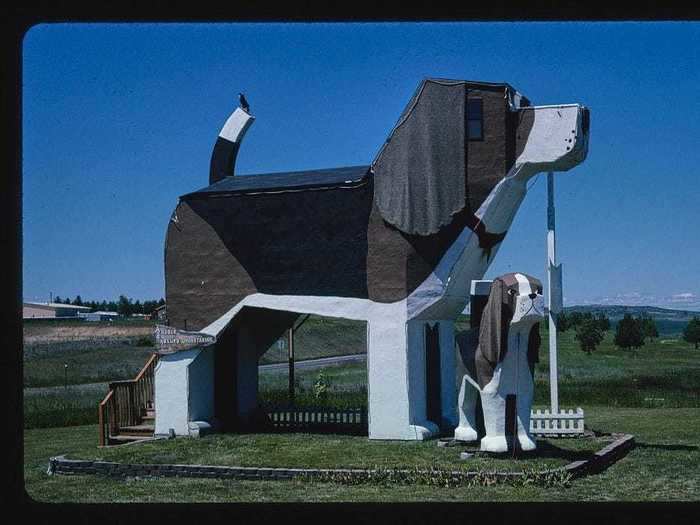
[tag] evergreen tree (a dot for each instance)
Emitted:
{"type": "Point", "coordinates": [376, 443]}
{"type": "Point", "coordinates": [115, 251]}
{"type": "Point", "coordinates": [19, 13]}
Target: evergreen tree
{"type": "Point", "coordinates": [589, 335]}
{"type": "Point", "coordinates": [77, 301]}
{"type": "Point", "coordinates": [149, 306]}
{"type": "Point", "coordinates": [57, 300]}
{"type": "Point", "coordinates": [629, 333]}
{"type": "Point", "coordinates": [603, 322]}
{"type": "Point", "coordinates": [574, 319]}
{"type": "Point", "coordinates": [124, 306]}
{"type": "Point", "coordinates": [648, 327]}
{"type": "Point", "coordinates": [691, 334]}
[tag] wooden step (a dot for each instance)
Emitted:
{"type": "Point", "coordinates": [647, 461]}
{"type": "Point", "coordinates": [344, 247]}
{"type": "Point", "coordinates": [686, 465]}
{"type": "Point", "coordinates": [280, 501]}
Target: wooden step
{"type": "Point", "coordinates": [149, 419]}
{"type": "Point", "coordinates": [122, 439]}
{"type": "Point", "coordinates": [137, 430]}
{"type": "Point", "coordinates": [149, 412]}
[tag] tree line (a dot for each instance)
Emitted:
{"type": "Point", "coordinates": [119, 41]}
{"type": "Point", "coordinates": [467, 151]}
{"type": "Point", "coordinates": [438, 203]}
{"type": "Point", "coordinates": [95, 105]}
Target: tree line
{"type": "Point", "coordinates": [630, 332]}
{"type": "Point", "coordinates": [124, 305]}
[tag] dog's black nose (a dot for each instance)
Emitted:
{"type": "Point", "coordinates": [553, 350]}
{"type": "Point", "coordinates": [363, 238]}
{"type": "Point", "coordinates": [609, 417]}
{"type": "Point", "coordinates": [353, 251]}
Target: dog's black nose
{"type": "Point", "coordinates": [533, 295]}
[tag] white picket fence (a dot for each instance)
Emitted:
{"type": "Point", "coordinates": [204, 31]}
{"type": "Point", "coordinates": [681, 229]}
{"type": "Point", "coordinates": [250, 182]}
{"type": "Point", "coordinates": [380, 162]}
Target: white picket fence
{"type": "Point", "coordinates": [564, 422]}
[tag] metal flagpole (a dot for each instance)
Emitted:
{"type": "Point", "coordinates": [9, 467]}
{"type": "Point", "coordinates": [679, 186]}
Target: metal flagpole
{"type": "Point", "coordinates": [554, 298]}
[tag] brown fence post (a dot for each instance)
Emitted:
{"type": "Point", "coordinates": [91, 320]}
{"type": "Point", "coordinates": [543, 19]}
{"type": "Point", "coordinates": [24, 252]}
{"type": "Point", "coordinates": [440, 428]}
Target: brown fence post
{"type": "Point", "coordinates": [290, 336]}
{"type": "Point", "coordinates": [101, 423]}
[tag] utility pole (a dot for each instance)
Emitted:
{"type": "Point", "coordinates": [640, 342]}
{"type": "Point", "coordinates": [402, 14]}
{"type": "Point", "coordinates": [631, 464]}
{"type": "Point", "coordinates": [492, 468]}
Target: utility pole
{"type": "Point", "coordinates": [554, 296]}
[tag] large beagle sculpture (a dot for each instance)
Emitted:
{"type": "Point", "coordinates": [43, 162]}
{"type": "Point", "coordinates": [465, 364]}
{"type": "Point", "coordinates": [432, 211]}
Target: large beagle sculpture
{"type": "Point", "coordinates": [395, 244]}
{"type": "Point", "coordinates": [496, 362]}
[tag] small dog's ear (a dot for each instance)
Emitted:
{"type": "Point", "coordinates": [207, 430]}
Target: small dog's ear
{"type": "Point", "coordinates": [493, 331]}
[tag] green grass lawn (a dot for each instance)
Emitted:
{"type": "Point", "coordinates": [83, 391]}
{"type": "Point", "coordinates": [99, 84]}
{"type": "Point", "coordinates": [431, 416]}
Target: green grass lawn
{"type": "Point", "coordinates": [665, 466]}
{"type": "Point", "coordinates": [335, 451]}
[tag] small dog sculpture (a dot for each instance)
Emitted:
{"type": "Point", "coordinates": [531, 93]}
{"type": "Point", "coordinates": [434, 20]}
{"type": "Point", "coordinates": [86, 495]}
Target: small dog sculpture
{"type": "Point", "coordinates": [497, 362]}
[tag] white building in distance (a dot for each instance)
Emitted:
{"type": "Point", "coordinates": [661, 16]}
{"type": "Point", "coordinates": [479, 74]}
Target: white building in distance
{"type": "Point", "coordinates": [32, 310]}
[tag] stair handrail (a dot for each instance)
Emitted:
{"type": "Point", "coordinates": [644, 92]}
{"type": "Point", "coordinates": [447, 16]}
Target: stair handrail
{"type": "Point", "coordinates": [134, 394]}
{"type": "Point", "coordinates": [106, 407]}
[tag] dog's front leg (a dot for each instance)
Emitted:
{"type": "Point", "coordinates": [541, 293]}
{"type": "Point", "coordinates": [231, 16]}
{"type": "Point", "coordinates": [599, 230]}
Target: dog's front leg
{"type": "Point", "coordinates": [493, 404]}
{"type": "Point", "coordinates": [526, 394]}
{"type": "Point", "coordinates": [466, 403]}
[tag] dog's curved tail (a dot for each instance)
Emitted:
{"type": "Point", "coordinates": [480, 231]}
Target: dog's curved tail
{"type": "Point", "coordinates": [223, 157]}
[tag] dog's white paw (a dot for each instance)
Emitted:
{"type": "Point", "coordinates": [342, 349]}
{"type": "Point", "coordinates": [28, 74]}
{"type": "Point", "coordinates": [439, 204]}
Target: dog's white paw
{"type": "Point", "coordinates": [425, 430]}
{"type": "Point", "coordinates": [494, 444]}
{"type": "Point", "coordinates": [465, 434]}
{"type": "Point", "coordinates": [526, 442]}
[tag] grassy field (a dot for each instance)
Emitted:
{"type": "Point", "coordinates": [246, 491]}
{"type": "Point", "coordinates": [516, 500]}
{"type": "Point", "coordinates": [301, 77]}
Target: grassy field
{"type": "Point", "coordinates": [664, 373]}
{"type": "Point", "coordinates": [653, 393]}
{"type": "Point", "coordinates": [664, 466]}
{"type": "Point", "coordinates": [97, 353]}
{"type": "Point", "coordinates": [88, 362]}
{"type": "Point", "coordinates": [57, 395]}
{"type": "Point", "coordinates": [318, 337]}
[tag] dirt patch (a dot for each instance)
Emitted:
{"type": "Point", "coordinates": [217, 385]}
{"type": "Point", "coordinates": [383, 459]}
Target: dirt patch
{"type": "Point", "coordinates": [47, 334]}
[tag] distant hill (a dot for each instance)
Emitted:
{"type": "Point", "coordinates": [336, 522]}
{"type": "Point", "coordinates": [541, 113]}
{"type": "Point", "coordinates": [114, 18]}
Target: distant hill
{"type": "Point", "coordinates": [668, 322]}
{"type": "Point", "coordinates": [614, 312]}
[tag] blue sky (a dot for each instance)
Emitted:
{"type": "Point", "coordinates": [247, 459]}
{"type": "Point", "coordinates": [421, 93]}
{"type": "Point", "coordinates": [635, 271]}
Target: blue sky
{"type": "Point", "coordinates": [120, 119]}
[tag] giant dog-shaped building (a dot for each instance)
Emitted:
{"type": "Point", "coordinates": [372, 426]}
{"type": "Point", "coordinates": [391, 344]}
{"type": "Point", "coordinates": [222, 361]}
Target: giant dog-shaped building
{"type": "Point", "coordinates": [395, 244]}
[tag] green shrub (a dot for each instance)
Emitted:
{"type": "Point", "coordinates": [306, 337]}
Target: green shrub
{"type": "Point", "coordinates": [321, 386]}
{"type": "Point", "coordinates": [691, 333]}
{"type": "Point", "coordinates": [589, 335]}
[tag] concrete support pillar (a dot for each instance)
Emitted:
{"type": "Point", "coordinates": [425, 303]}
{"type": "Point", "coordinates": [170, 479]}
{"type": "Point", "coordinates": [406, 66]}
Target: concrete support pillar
{"type": "Point", "coordinates": [387, 380]}
{"type": "Point", "coordinates": [447, 372]}
{"type": "Point", "coordinates": [247, 356]}
{"type": "Point", "coordinates": [184, 390]}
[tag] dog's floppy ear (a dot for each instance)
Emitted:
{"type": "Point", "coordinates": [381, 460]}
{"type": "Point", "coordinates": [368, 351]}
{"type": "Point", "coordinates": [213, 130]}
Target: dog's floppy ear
{"type": "Point", "coordinates": [420, 173]}
{"type": "Point", "coordinates": [493, 332]}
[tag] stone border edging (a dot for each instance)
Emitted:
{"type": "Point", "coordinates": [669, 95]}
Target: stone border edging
{"type": "Point", "coordinates": [60, 465]}
{"type": "Point", "coordinates": [603, 458]}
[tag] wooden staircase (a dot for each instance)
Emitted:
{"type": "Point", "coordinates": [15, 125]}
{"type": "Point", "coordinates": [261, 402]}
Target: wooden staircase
{"type": "Point", "coordinates": [127, 413]}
